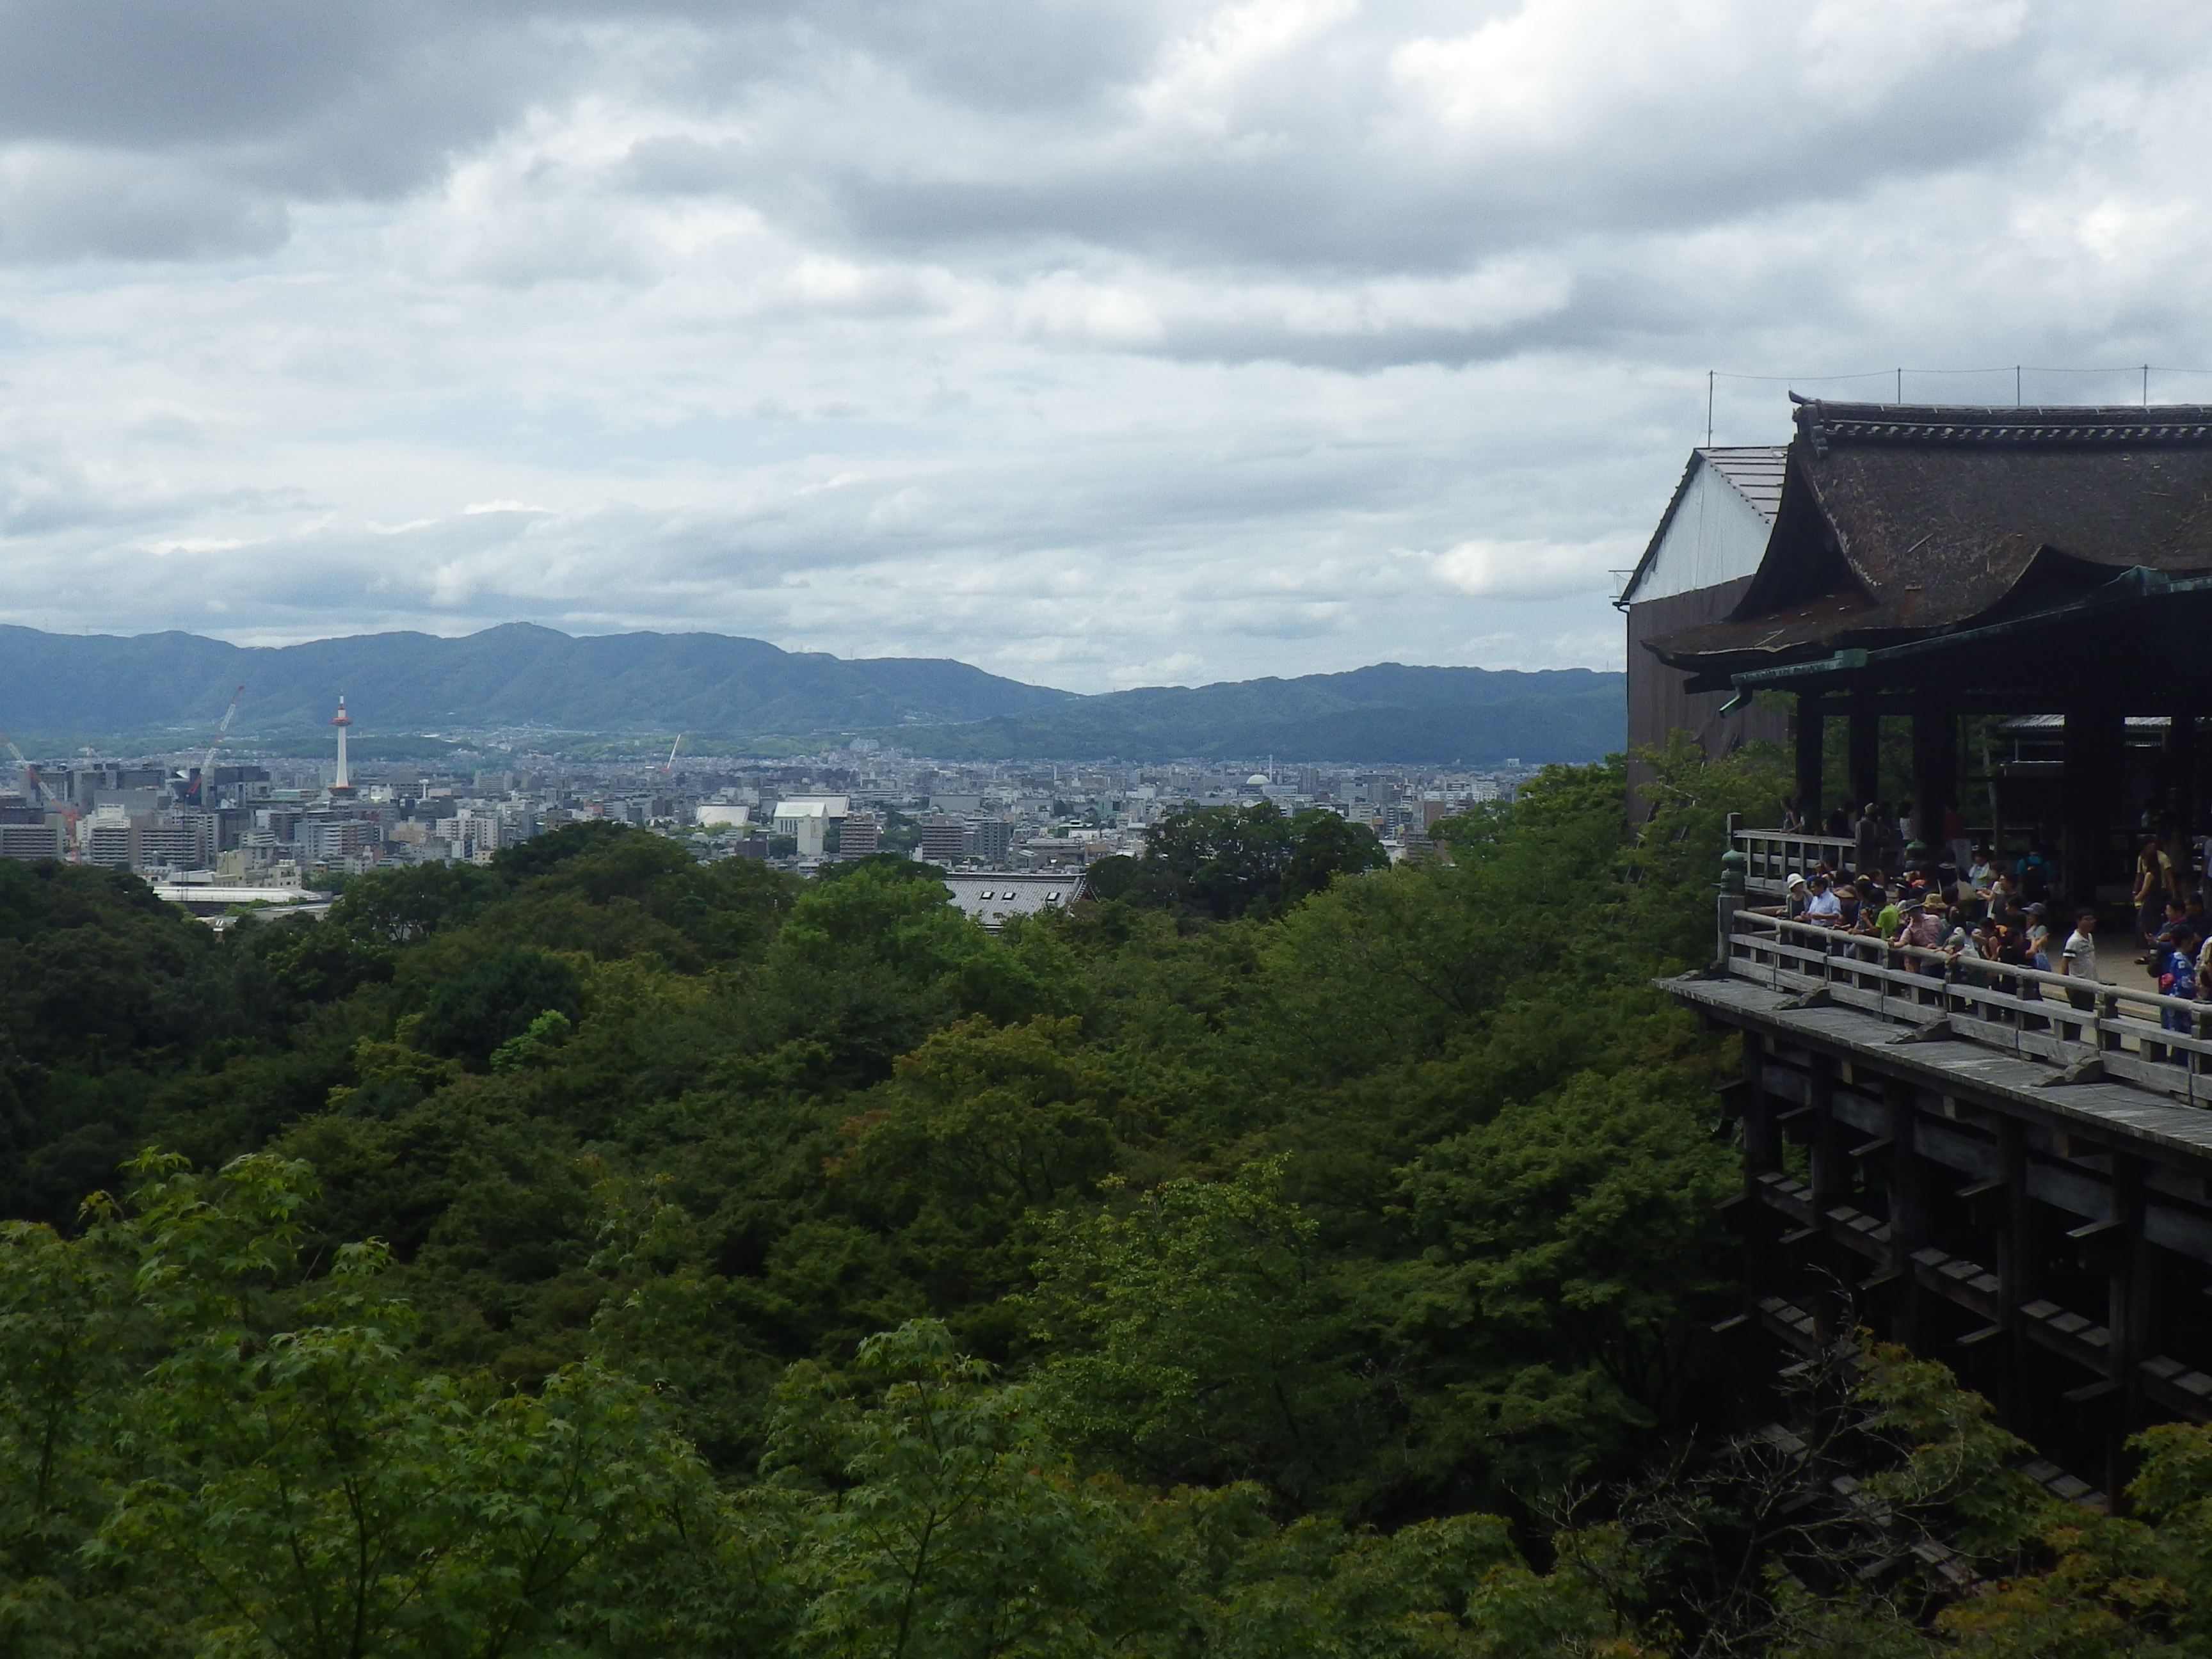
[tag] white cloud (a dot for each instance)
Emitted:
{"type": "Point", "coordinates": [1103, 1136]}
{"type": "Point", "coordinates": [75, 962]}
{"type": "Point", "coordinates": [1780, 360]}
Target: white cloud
{"type": "Point", "coordinates": [1096, 345]}
{"type": "Point", "coordinates": [1489, 570]}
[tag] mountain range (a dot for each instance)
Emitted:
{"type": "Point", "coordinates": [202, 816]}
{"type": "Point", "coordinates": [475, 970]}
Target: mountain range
{"type": "Point", "coordinates": [1387, 713]}
{"type": "Point", "coordinates": [57, 686]}
{"type": "Point", "coordinates": [512, 676]}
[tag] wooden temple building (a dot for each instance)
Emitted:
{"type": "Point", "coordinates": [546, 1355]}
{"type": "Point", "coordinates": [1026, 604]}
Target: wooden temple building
{"type": "Point", "coordinates": [2004, 1169]}
{"type": "Point", "coordinates": [1696, 569]}
{"type": "Point", "coordinates": [1935, 562]}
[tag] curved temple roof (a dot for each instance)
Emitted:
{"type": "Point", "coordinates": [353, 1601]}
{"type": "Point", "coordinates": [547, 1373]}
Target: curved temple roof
{"type": "Point", "coordinates": [1899, 524]}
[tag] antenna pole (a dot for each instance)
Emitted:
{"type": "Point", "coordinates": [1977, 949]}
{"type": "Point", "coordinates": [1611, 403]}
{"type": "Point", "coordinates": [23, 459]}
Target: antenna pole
{"type": "Point", "coordinates": [1900, 386]}
{"type": "Point", "coordinates": [2146, 385]}
{"type": "Point", "coordinates": [2015, 386]}
{"type": "Point", "coordinates": [1709, 409]}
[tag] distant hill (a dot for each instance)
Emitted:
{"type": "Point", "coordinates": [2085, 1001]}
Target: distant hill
{"type": "Point", "coordinates": [56, 684]}
{"type": "Point", "coordinates": [1387, 713]}
{"type": "Point", "coordinates": [66, 685]}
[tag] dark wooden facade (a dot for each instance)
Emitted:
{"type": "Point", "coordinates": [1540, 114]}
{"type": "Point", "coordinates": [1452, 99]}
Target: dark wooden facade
{"type": "Point", "coordinates": [1938, 563]}
{"type": "Point", "coordinates": [2041, 1225]}
{"type": "Point", "coordinates": [2006, 1171]}
{"type": "Point", "coordinates": [1660, 702]}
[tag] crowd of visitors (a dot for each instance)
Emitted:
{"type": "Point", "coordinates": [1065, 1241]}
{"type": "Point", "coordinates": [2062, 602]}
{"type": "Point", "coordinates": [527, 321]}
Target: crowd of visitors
{"type": "Point", "coordinates": [1956, 904]}
{"type": "Point", "coordinates": [1882, 834]}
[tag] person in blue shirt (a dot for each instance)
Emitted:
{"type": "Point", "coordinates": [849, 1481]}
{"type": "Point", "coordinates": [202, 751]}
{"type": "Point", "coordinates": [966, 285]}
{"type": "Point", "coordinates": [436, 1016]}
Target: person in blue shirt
{"type": "Point", "coordinates": [2177, 976]}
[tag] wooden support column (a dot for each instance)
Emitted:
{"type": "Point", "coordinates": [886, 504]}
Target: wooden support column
{"type": "Point", "coordinates": [2093, 747]}
{"type": "Point", "coordinates": [1811, 717]}
{"type": "Point", "coordinates": [1865, 751]}
{"type": "Point", "coordinates": [1762, 1135]}
{"type": "Point", "coordinates": [1831, 1185]}
{"type": "Point", "coordinates": [2181, 767]}
{"type": "Point", "coordinates": [1762, 1155]}
{"type": "Point", "coordinates": [1934, 764]}
{"type": "Point", "coordinates": [2128, 1317]}
{"type": "Point", "coordinates": [2017, 1401]}
{"type": "Point", "coordinates": [1909, 1181]}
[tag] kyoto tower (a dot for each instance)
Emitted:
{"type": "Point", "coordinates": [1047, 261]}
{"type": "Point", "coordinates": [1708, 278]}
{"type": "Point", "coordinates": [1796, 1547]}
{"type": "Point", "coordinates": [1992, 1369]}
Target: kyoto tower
{"type": "Point", "coordinates": [345, 784]}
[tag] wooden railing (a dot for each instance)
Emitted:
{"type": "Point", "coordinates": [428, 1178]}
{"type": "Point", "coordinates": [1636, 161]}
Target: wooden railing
{"type": "Point", "coordinates": [2036, 1015]}
{"type": "Point", "coordinates": [1772, 854]}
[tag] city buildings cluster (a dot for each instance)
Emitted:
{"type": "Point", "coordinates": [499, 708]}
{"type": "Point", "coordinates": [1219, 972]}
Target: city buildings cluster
{"type": "Point", "coordinates": [285, 824]}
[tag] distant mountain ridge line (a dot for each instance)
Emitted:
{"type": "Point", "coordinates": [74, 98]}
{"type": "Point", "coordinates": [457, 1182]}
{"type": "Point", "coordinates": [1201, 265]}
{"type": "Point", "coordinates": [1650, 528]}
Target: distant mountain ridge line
{"type": "Point", "coordinates": [520, 674]}
{"type": "Point", "coordinates": [515, 674]}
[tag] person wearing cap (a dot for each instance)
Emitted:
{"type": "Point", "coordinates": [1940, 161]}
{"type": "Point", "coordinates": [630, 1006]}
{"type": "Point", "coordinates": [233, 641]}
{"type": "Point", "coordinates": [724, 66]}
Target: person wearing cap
{"type": "Point", "coordinates": [1891, 914]}
{"type": "Point", "coordinates": [2038, 936]}
{"type": "Point", "coordinates": [1794, 895]}
{"type": "Point", "coordinates": [1922, 929]}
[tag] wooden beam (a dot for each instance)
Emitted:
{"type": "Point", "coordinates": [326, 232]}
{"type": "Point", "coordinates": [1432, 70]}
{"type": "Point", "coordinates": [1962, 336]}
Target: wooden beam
{"type": "Point", "coordinates": [2181, 767]}
{"type": "Point", "coordinates": [2092, 749]}
{"type": "Point", "coordinates": [1935, 766]}
{"type": "Point", "coordinates": [1812, 718]}
{"type": "Point", "coordinates": [1865, 748]}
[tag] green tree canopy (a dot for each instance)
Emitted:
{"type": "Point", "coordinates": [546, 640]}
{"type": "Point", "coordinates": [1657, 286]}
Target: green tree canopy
{"type": "Point", "coordinates": [1229, 861]}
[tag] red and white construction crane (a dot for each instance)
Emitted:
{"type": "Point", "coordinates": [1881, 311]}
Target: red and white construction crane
{"type": "Point", "coordinates": [205, 785]}
{"type": "Point", "coordinates": [34, 785]}
{"type": "Point", "coordinates": [670, 760]}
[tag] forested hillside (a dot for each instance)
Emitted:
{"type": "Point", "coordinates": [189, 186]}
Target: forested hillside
{"type": "Point", "coordinates": [1387, 713]}
{"type": "Point", "coordinates": [603, 1254]}
{"type": "Point", "coordinates": [56, 687]}
{"type": "Point", "coordinates": [59, 685]}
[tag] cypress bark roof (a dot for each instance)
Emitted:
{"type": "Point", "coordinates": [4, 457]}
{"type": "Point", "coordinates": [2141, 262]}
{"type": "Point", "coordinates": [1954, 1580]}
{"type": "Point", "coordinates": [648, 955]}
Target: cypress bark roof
{"type": "Point", "coordinates": [1897, 523]}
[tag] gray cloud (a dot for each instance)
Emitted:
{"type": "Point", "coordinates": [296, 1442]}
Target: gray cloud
{"type": "Point", "coordinates": [1094, 342]}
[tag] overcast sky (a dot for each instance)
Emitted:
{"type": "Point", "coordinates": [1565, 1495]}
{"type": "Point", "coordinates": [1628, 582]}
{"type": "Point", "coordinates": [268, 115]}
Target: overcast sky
{"type": "Point", "coordinates": [1100, 343]}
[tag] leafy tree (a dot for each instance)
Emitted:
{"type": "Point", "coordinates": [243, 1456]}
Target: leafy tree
{"type": "Point", "coordinates": [983, 1131]}
{"type": "Point", "coordinates": [1229, 861]}
{"type": "Point", "coordinates": [943, 1524]}
{"type": "Point", "coordinates": [1581, 1223]}
{"type": "Point", "coordinates": [400, 907]}
{"type": "Point", "coordinates": [543, 855]}
{"type": "Point", "coordinates": [931, 1513]}
{"type": "Point", "coordinates": [546, 1033]}
{"type": "Point", "coordinates": [872, 961]}
{"type": "Point", "coordinates": [1115, 876]}
{"type": "Point", "coordinates": [1377, 1203]}
{"type": "Point", "coordinates": [1672, 866]}
{"type": "Point", "coordinates": [495, 1000]}
{"type": "Point", "coordinates": [104, 989]}
{"type": "Point", "coordinates": [202, 1459]}
{"type": "Point", "coordinates": [1198, 1338]}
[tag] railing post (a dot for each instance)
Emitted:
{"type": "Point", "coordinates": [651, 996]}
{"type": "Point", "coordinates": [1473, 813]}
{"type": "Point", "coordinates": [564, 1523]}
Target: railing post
{"type": "Point", "coordinates": [1732, 863]}
{"type": "Point", "coordinates": [2193, 1060]}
